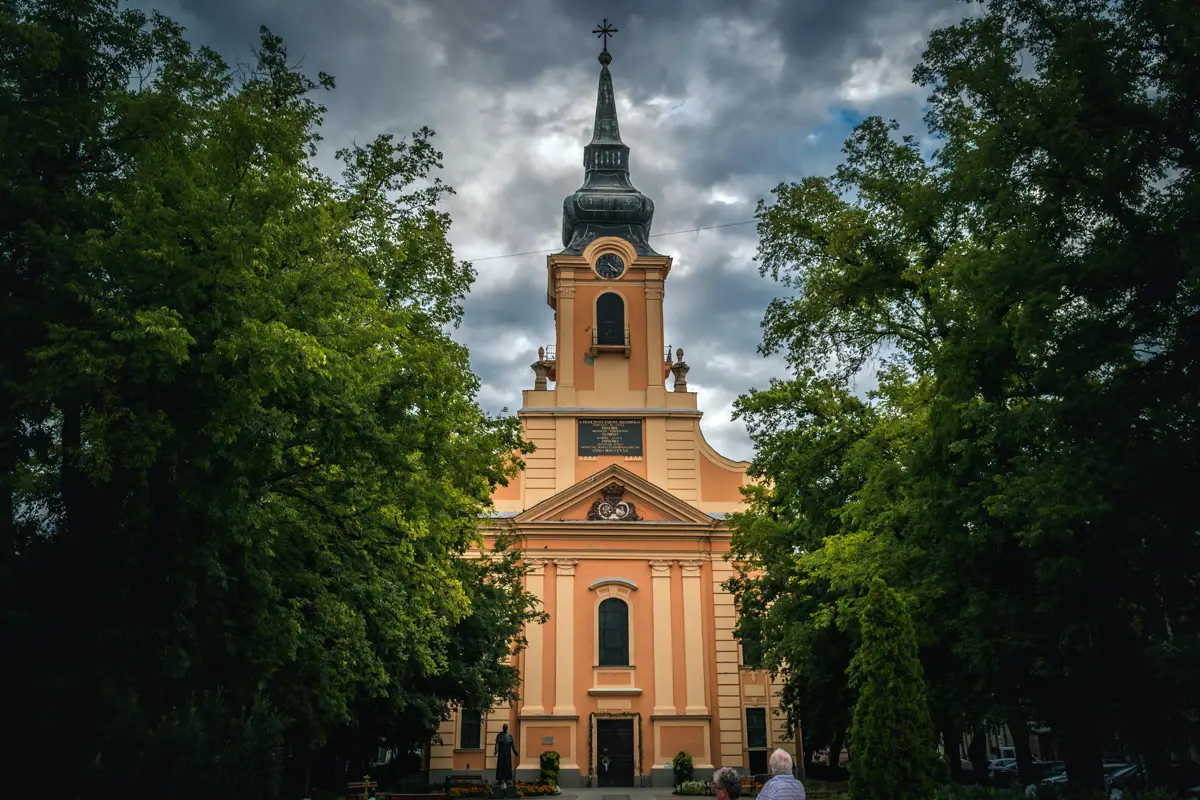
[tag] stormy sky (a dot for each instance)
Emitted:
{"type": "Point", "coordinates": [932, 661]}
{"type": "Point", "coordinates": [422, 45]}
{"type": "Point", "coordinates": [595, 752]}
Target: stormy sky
{"type": "Point", "coordinates": [718, 101]}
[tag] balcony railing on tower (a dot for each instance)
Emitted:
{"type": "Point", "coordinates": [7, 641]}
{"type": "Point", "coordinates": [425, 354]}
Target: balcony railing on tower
{"type": "Point", "coordinates": [610, 339]}
{"type": "Point", "coordinates": [545, 368]}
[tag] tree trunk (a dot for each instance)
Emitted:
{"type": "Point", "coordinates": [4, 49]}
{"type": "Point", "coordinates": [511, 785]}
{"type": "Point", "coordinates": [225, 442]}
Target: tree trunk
{"type": "Point", "coordinates": [70, 476]}
{"type": "Point", "coordinates": [978, 752]}
{"type": "Point", "coordinates": [810, 752]}
{"type": "Point", "coordinates": [950, 738]}
{"type": "Point", "coordinates": [1018, 726]}
{"type": "Point", "coordinates": [835, 750]}
{"type": "Point", "coordinates": [1155, 751]}
{"type": "Point", "coordinates": [8, 466]}
{"type": "Point", "coordinates": [1081, 749]}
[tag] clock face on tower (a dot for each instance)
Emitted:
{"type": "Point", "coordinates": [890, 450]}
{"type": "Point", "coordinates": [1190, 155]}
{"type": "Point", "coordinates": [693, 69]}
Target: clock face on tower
{"type": "Point", "coordinates": [610, 265]}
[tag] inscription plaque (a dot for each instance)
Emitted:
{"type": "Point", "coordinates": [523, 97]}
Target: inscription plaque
{"type": "Point", "coordinates": [610, 437]}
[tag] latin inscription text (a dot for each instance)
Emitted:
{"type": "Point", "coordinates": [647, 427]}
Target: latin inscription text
{"type": "Point", "coordinates": [610, 437]}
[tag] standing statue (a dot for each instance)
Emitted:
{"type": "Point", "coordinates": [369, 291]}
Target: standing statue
{"type": "Point", "coordinates": [506, 746]}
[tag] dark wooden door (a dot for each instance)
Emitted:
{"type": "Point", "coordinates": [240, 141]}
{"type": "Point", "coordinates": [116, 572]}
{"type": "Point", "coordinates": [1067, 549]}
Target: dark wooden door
{"type": "Point", "coordinates": [758, 762]}
{"type": "Point", "coordinates": [614, 752]}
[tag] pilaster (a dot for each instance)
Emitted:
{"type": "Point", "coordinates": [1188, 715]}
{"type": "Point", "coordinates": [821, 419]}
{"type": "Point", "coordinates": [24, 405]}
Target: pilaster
{"type": "Point", "coordinates": [778, 722]}
{"type": "Point", "coordinates": [664, 679]}
{"type": "Point", "coordinates": [564, 627]}
{"type": "Point", "coordinates": [566, 434]}
{"type": "Point", "coordinates": [693, 638]}
{"type": "Point", "coordinates": [655, 383]}
{"type": "Point", "coordinates": [531, 695]}
{"type": "Point", "coordinates": [730, 716]}
{"type": "Point", "coordinates": [566, 355]}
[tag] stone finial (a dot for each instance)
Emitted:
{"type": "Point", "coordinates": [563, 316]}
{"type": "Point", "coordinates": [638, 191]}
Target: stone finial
{"type": "Point", "coordinates": [680, 370]}
{"type": "Point", "coordinates": [541, 371]}
{"type": "Point", "coordinates": [541, 354]}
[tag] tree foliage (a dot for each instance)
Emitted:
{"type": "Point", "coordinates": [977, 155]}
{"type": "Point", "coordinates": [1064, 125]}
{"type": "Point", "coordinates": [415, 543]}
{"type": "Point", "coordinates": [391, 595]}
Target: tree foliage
{"type": "Point", "coordinates": [1024, 282]}
{"type": "Point", "coordinates": [892, 743]}
{"type": "Point", "coordinates": [240, 454]}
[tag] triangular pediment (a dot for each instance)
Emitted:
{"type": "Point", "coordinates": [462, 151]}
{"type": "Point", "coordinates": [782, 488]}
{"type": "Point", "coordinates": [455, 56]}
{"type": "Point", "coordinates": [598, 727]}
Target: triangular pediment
{"type": "Point", "coordinates": [598, 498]}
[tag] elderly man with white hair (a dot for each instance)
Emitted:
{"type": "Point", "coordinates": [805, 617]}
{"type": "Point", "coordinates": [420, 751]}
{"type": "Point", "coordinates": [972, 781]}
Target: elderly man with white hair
{"type": "Point", "coordinates": [726, 784]}
{"type": "Point", "coordinates": [782, 785]}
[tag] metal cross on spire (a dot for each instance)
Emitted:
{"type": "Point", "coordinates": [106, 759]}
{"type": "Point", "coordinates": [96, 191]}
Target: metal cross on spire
{"type": "Point", "coordinates": [604, 30]}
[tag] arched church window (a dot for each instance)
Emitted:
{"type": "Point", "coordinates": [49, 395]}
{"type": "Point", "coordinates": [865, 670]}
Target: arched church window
{"type": "Point", "coordinates": [614, 633]}
{"type": "Point", "coordinates": [610, 319]}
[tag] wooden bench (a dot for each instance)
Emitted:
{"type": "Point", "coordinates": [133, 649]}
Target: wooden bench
{"type": "Point", "coordinates": [362, 788]}
{"type": "Point", "coordinates": [464, 781]}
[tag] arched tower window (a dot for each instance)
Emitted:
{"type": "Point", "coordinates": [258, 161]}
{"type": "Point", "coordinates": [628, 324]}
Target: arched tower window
{"type": "Point", "coordinates": [610, 319]}
{"type": "Point", "coordinates": [614, 633]}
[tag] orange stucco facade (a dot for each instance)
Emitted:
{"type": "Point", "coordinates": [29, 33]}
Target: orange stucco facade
{"type": "Point", "coordinates": [620, 516]}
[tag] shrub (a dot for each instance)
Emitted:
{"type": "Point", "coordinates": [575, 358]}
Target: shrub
{"type": "Point", "coordinates": [892, 735]}
{"type": "Point", "coordinates": [207, 746]}
{"type": "Point", "coordinates": [696, 788]}
{"type": "Point", "coordinates": [536, 789]}
{"type": "Point", "coordinates": [549, 765]}
{"type": "Point", "coordinates": [682, 764]}
{"type": "Point", "coordinates": [956, 792]}
{"type": "Point", "coordinates": [523, 790]}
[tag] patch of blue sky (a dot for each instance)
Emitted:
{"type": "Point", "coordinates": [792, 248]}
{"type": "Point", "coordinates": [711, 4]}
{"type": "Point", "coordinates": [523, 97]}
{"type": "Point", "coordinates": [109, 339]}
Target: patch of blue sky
{"type": "Point", "coordinates": [818, 151]}
{"type": "Point", "coordinates": [838, 126]}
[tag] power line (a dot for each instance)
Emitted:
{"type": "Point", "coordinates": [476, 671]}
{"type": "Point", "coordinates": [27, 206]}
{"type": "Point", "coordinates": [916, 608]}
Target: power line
{"type": "Point", "coordinates": [652, 236]}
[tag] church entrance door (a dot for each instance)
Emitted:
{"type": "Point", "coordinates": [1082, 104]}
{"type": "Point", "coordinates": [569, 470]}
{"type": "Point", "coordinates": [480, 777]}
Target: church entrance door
{"type": "Point", "coordinates": [614, 752]}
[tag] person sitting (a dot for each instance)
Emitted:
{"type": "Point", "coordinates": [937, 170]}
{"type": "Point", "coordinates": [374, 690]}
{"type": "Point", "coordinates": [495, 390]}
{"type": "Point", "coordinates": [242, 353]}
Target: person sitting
{"type": "Point", "coordinates": [782, 784]}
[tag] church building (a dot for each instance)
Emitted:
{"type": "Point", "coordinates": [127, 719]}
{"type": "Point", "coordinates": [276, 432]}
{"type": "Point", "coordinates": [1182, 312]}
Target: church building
{"type": "Point", "coordinates": [620, 518]}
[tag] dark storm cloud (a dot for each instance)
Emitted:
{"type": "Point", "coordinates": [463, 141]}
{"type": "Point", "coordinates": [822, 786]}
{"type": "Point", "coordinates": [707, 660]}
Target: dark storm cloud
{"type": "Point", "coordinates": [719, 101]}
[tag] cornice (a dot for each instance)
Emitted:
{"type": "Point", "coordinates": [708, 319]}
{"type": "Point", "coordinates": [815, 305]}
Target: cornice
{"type": "Point", "coordinates": [628, 584]}
{"type": "Point", "coordinates": [547, 717]}
{"type": "Point", "coordinates": [643, 530]}
{"type": "Point", "coordinates": [593, 554]}
{"type": "Point", "coordinates": [553, 411]}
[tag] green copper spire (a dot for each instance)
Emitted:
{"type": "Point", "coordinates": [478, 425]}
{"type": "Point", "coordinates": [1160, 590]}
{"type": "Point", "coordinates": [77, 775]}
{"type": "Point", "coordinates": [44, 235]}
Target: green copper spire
{"type": "Point", "coordinates": [607, 204]}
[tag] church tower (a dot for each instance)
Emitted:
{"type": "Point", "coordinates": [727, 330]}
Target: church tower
{"type": "Point", "coordinates": [600, 392]}
{"type": "Point", "coordinates": [619, 514]}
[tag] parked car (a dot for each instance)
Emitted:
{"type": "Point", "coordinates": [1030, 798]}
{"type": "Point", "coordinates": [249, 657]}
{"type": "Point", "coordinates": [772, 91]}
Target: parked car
{"type": "Point", "coordinates": [1120, 777]}
{"type": "Point", "coordinates": [1058, 780]}
{"type": "Point", "coordinates": [1047, 773]}
{"type": "Point", "coordinates": [1043, 770]}
{"type": "Point", "coordinates": [1117, 782]}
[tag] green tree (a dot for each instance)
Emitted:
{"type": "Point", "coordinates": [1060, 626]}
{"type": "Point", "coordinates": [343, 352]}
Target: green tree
{"type": "Point", "coordinates": [1029, 290]}
{"type": "Point", "coordinates": [803, 431]}
{"type": "Point", "coordinates": [891, 743]}
{"type": "Point", "coordinates": [241, 455]}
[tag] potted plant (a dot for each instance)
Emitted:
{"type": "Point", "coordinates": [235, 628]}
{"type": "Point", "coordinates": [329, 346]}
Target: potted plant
{"type": "Point", "coordinates": [682, 765]}
{"type": "Point", "coordinates": [549, 764]}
